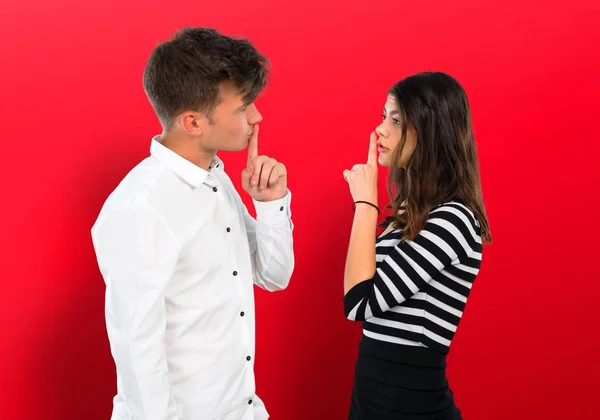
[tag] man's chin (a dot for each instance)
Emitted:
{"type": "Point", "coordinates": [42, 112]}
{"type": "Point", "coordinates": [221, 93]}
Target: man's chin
{"type": "Point", "coordinates": [231, 148]}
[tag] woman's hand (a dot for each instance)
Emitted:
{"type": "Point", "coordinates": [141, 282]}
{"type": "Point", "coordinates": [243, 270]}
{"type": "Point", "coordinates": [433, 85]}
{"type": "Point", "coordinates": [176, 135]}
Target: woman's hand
{"type": "Point", "coordinates": [362, 178]}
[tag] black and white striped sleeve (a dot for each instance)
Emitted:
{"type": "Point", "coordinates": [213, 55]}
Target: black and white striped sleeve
{"type": "Point", "coordinates": [450, 233]}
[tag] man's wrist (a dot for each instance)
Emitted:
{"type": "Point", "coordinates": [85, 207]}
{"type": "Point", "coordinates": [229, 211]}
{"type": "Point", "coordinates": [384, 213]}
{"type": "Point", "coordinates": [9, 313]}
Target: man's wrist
{"type": "Point", "coordinates": [275, 210]}
{"type": "Point", "coordinates": [271, 200]}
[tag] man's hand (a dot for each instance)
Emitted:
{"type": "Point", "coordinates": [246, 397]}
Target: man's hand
{"type": "Point", "coordinates": [264, 178]}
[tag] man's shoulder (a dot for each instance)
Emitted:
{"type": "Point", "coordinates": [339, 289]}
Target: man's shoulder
{"type": "Point", "coordinates": [137, 190]}
{"type": "Point", "coordinates": [152, 188]}
{"type": "Point", "coordinates": [137, 185]}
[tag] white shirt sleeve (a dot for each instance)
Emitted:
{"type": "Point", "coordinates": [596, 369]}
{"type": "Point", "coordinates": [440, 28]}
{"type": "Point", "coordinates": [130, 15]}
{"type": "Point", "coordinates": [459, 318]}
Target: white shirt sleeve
{"type": "Point", "coordinates": [271, 242]}
{"type": "Point", "coordinates": [137, 253]}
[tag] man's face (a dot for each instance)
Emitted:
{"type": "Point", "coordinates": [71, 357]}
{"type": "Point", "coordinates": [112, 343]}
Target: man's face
{"type": "Point", "coordinates": [231, 122]}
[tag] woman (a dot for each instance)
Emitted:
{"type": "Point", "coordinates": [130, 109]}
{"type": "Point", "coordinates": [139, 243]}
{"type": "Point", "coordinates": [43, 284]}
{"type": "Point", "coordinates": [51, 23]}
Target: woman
{"type": "Point", "coordinates": [409, 286]}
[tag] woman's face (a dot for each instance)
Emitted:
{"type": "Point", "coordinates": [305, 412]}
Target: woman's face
{"type": "Point", "coordinates": [389, 134]}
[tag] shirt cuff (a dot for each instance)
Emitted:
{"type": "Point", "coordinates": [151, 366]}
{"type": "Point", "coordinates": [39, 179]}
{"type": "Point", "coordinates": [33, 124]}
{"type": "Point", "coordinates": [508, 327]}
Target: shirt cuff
{"type": "Point", "coordinates": [355, 295]}
{"type": "Point", "coordinates": [274, 212]}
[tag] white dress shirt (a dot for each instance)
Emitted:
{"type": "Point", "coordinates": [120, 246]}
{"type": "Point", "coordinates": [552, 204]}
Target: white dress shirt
{"type": "Point", "coordinates": [179, 254]}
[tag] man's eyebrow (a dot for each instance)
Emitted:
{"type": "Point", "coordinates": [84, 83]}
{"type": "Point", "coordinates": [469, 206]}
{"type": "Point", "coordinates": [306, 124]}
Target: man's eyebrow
{"type": "Point", "coordinates": [242, 106]}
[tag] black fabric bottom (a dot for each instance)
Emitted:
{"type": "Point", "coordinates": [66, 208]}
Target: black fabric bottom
{"type": "Point", "coordinates": [398, 382]}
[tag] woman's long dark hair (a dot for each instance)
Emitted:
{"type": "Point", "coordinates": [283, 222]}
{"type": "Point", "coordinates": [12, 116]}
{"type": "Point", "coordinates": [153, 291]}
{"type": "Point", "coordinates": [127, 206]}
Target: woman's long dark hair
{"type": "Point", "coordinates": [444, 164]}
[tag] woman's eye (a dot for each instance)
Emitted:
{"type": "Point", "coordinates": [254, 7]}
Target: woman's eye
{"type": "Point", "coordinates": [396, 121]}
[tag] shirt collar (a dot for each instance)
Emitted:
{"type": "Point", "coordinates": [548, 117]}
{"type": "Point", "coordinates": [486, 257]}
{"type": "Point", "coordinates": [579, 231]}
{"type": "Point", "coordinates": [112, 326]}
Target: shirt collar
{"type": "Point", "coordinates": [191, 173]}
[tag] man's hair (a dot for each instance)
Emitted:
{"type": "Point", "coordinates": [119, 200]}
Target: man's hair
{"type": "Point", "coordinates": [185, 72]}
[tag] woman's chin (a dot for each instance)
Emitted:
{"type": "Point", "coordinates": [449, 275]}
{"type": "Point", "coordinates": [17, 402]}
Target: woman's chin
{"type": "Point", "coordinates": [383, 161]}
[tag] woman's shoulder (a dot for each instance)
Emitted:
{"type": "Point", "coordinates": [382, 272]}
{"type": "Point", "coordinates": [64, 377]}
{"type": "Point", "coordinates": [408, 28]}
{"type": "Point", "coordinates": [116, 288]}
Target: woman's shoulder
{"type": "Point", "coordinates": [453, 217]}
{"type": "Point", "coordinates": [455, 211]}
{"type": "Point", "coordinates": [455, 224]}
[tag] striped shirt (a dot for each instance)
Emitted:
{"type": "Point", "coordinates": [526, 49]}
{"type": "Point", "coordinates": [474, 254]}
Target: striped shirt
{"type": "Point", "coordinates": [419, 291]}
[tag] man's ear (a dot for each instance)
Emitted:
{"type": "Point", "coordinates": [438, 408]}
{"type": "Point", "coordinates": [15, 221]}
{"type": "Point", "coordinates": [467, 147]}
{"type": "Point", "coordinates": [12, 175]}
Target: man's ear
{"type": "Point", "coordinates": [193, 123]}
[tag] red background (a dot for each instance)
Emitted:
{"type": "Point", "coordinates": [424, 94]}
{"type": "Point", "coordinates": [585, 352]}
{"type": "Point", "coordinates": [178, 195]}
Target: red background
{"type": "Point", "coordinates": [75, 120]}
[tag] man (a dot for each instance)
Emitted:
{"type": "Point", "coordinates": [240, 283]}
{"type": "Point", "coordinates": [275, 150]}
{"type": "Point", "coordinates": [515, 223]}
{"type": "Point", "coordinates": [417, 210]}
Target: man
{"type": "Point", "coordinates": [179, 251]}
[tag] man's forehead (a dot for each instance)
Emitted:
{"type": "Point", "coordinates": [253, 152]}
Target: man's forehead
{"type": "Point", "coordinates": [230, 95]}
{"type": "Point", "coordinates": [229, 88]}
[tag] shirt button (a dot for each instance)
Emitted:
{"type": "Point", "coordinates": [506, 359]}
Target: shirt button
{"type": "Point", "coordinates": [248, 358]}
{"type": "Point", "coordinates": [281, 208]}
{"type": "Point", "coordinates": [249, 401]}
{"type": "Point", "coordinates": [242, 313]}
{"type": "Point", "coordinates": [215, 189]}
{"type": "Point", "coordinates": [228, 229]}
{"type": "Point", "coordinates": [235, 273]}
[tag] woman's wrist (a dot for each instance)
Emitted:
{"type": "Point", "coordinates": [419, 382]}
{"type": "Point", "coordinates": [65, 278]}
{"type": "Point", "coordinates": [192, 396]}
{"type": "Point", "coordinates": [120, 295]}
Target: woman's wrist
{"type": "Point", "coordinates": [366, 210]}
{"type": "Point", "coordinates": [361, 204]}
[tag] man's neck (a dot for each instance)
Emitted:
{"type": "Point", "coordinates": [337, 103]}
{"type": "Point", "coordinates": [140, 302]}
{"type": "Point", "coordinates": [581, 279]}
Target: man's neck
{"type": "Point", "coordinates": [189, 150]}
